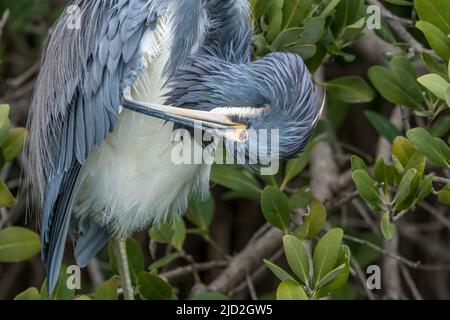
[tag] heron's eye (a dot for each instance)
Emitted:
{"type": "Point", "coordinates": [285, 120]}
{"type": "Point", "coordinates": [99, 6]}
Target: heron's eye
{"type": "Point", "coordinates": [243, 135]}
{"type": "Point", "coordinates": [237, 135]}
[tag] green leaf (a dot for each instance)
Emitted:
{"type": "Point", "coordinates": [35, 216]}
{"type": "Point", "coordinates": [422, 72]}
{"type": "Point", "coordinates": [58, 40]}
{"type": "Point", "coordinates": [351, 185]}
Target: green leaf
{"type": "Point", "coordinates": [107, 290]}
{"type": "Point", "coordinates": [350, 89]}
{"type": "Point", "coordinates": [301, 231]}
{"type": "Point", "coordinates": [4, 122]}
{"type": "Point", "coordinates": [403, 150]}
{"type": "Point", "coordinates": [295, 166]}
{"type": "Point", "coordinates": [286, 38]}
{"type": "Point", "coordinates": [235, 179]}
{"type": "Point", "coordinates": [295, 11]}
{"type": "Point", "coordinates": [201, 213]}
{"type": "Point", "coordinates": [316, 219]}
{"type": "Point", "coordinates": [441, 126]}
{"type": "Point", "coordinates": [13, 143]}
{"type": "Point", "coordinates": [436, 38]}
{"type": "Point", "coordinates": [433, 65]}
{"type": "Point", "coordinates": [274, 17]}
{"type": "Point", "coordinates": [162, 233]}
{"type": "Point", "coordinates": [436, 84]}
{"type": "Point", "coordinates": [278, 272]}
{"type": "Point", "coordinates": [392, 88]}
{"type": "Point", "coordinates": [358, 164]}
{"type": "Point", "coordinates": [387, 228]}
{"type": "Point", "coordinates": [425, 188]}
{"type": "Point", "coordinates": [385, 174]}
{"type": "Point", "coordinates": [367, 189]}
{"type": "Point", "coordinates": [385, 32]}
{"type": "Point", "coordinates": [62, 291]}
{"type": "Point", "coordinates": [18, 244]}
{"type": "Point", "coordinates": [180, 234]}
{"type": "Point", "coordinates": [306, 51]}
{"type": "Point", "coordinates": [29, 294]}
{"type": "Point", "coordinates": [332, 275]}
{"type": "Point", "coordinates": [290, 290]}
{"type": "Point", "coordinates": [6, 198]}
{"type": "Point", "coordinates": [447, 97]}
{"type": "Point", "coordinates": [313, 31]}
{"type": "Point", "coordinates": [382, 125]}
{"type": "Point", "coordinates": [444, 195]}
{"type": "Point", "coordinates": [329, 8]}
{"type": "Point", "coordinates": [301, 199]}
{"type": "Point", "coordinates": [434, 148]}
{"type": "Point", "coordinates": [436, 12]}
{"type": "Point", "coordinates": [135, 258]}
{"type": "Point", "coordinates": [326, 254]}
{"type": "Point", "coordinates": [347, 12]}
{"type": "Point", "coordinates": [152, 287]}
{"type": "Point", "coordinates": [164, 261]}
{"type": "Point", "coordinates": [406, 74]}
{"type": "Point", "coordinates": [342, 278]}
{"type": "Point", "coordinates": [404, 187]}
{"type": "Point", "coordinates": [352, 32]}
{"type": "Point", "coordinates": [418, 162]}
{"type": "Point", "coordinates": [297, 257]}
{"type": "Point", "coordinates": [275, 207]}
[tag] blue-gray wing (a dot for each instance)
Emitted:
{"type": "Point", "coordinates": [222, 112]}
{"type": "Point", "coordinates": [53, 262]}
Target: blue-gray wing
{"type": "Point", "coordinates": [91, 56]}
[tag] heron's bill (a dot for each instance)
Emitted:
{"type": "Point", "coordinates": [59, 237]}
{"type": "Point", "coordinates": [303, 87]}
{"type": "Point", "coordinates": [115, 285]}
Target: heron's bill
{"type": "Point", "coordinates": [189, 117]}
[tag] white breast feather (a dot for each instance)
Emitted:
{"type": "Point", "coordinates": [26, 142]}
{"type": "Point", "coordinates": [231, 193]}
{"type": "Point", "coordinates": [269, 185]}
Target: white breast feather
{"type": "Point", "coordinates": [131, 181]}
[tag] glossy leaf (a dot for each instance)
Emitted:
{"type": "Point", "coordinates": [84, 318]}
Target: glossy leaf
{"type": "Point", "coordinates": [29, 294]}
{"type": "Point", "coordinates": [350, 89]}
{"type": "Point", "coordinates": [367, 188]}
{"type": "Point", "coordinates": [326, 254]}
{"type": "Point", "coordinates": [382, 125]}
{"type": "Point", "coordinates": [278, 272]}
{"type": "Point", "coordinates": [434, 148]}
{"type": "Point", "coordinates": [18, 244]}
{"type": "Point", "coordinates": [107, 290]}
{"type": "Point", "coordinates": [290, 290]}
{"type": "Point", "coordinates": [297, 257]}
{"type": "Point", "coordinates": [6, 198]}
{"type": "Point", "coordinates": [152, 287]}
{"type": "Point", "coordinates": [387, 228]}
{"type": "Point", "coordinates": [436, 12]}
{"type": "Point", "coordinates": [316, 219]}
{"type": "Point", "coordinates": [436, 38]}
{"type": "Point", "coordinates": [201, 213]}
{"type": "Point", "coordinates": [275, 207]}
{"type": "Point", "coordinates": [436, 84]}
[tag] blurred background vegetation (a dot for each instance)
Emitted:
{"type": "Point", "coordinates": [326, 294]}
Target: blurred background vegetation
{"type": "Point", "coordinates": [377, 170]}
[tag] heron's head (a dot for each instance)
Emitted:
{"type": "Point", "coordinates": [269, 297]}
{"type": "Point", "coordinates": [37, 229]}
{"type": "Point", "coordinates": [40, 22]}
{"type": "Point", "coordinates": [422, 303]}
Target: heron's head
{"type": "Point", "coordinates": [266, 110]}
{"type": "Point", "coordinates": [268, 107]}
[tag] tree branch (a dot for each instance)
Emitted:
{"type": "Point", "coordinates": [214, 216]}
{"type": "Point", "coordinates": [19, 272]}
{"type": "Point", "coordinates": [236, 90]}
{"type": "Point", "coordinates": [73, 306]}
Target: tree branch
{"type": "Point", "coordinates": [400, 30]}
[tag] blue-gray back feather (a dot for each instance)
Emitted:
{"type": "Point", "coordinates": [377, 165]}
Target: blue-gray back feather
{"type": "Point", "coordinates": [76, 103]}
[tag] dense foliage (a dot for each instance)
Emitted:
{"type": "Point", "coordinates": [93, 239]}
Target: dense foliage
{"type": "Point", "coordinates": [405, 100]}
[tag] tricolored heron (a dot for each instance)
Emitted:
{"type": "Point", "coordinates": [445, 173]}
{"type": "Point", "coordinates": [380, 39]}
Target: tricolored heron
{"type": "Point", "coordinates": [112, 90]}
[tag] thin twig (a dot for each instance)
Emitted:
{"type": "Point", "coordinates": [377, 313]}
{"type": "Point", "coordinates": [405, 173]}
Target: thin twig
{"type": "Point", "coordinates": [251, 288]}
{"type": "Point", "coordinates": [401, 31]}
{"type": "Point", "coordinates": [411, 264]}
{"type": "Point", "coordinates": [435, 213]}
{"type": "Point", "coordinates": [3, 20]}
{"type": "Point", "coordinates": [124, 269]}
{"type": "Point", "coordinates": [186, 270]}
{"type": "Point", "coordinates": [360, 275]}
{"type": "Point", "coordinates": [411, 284]}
